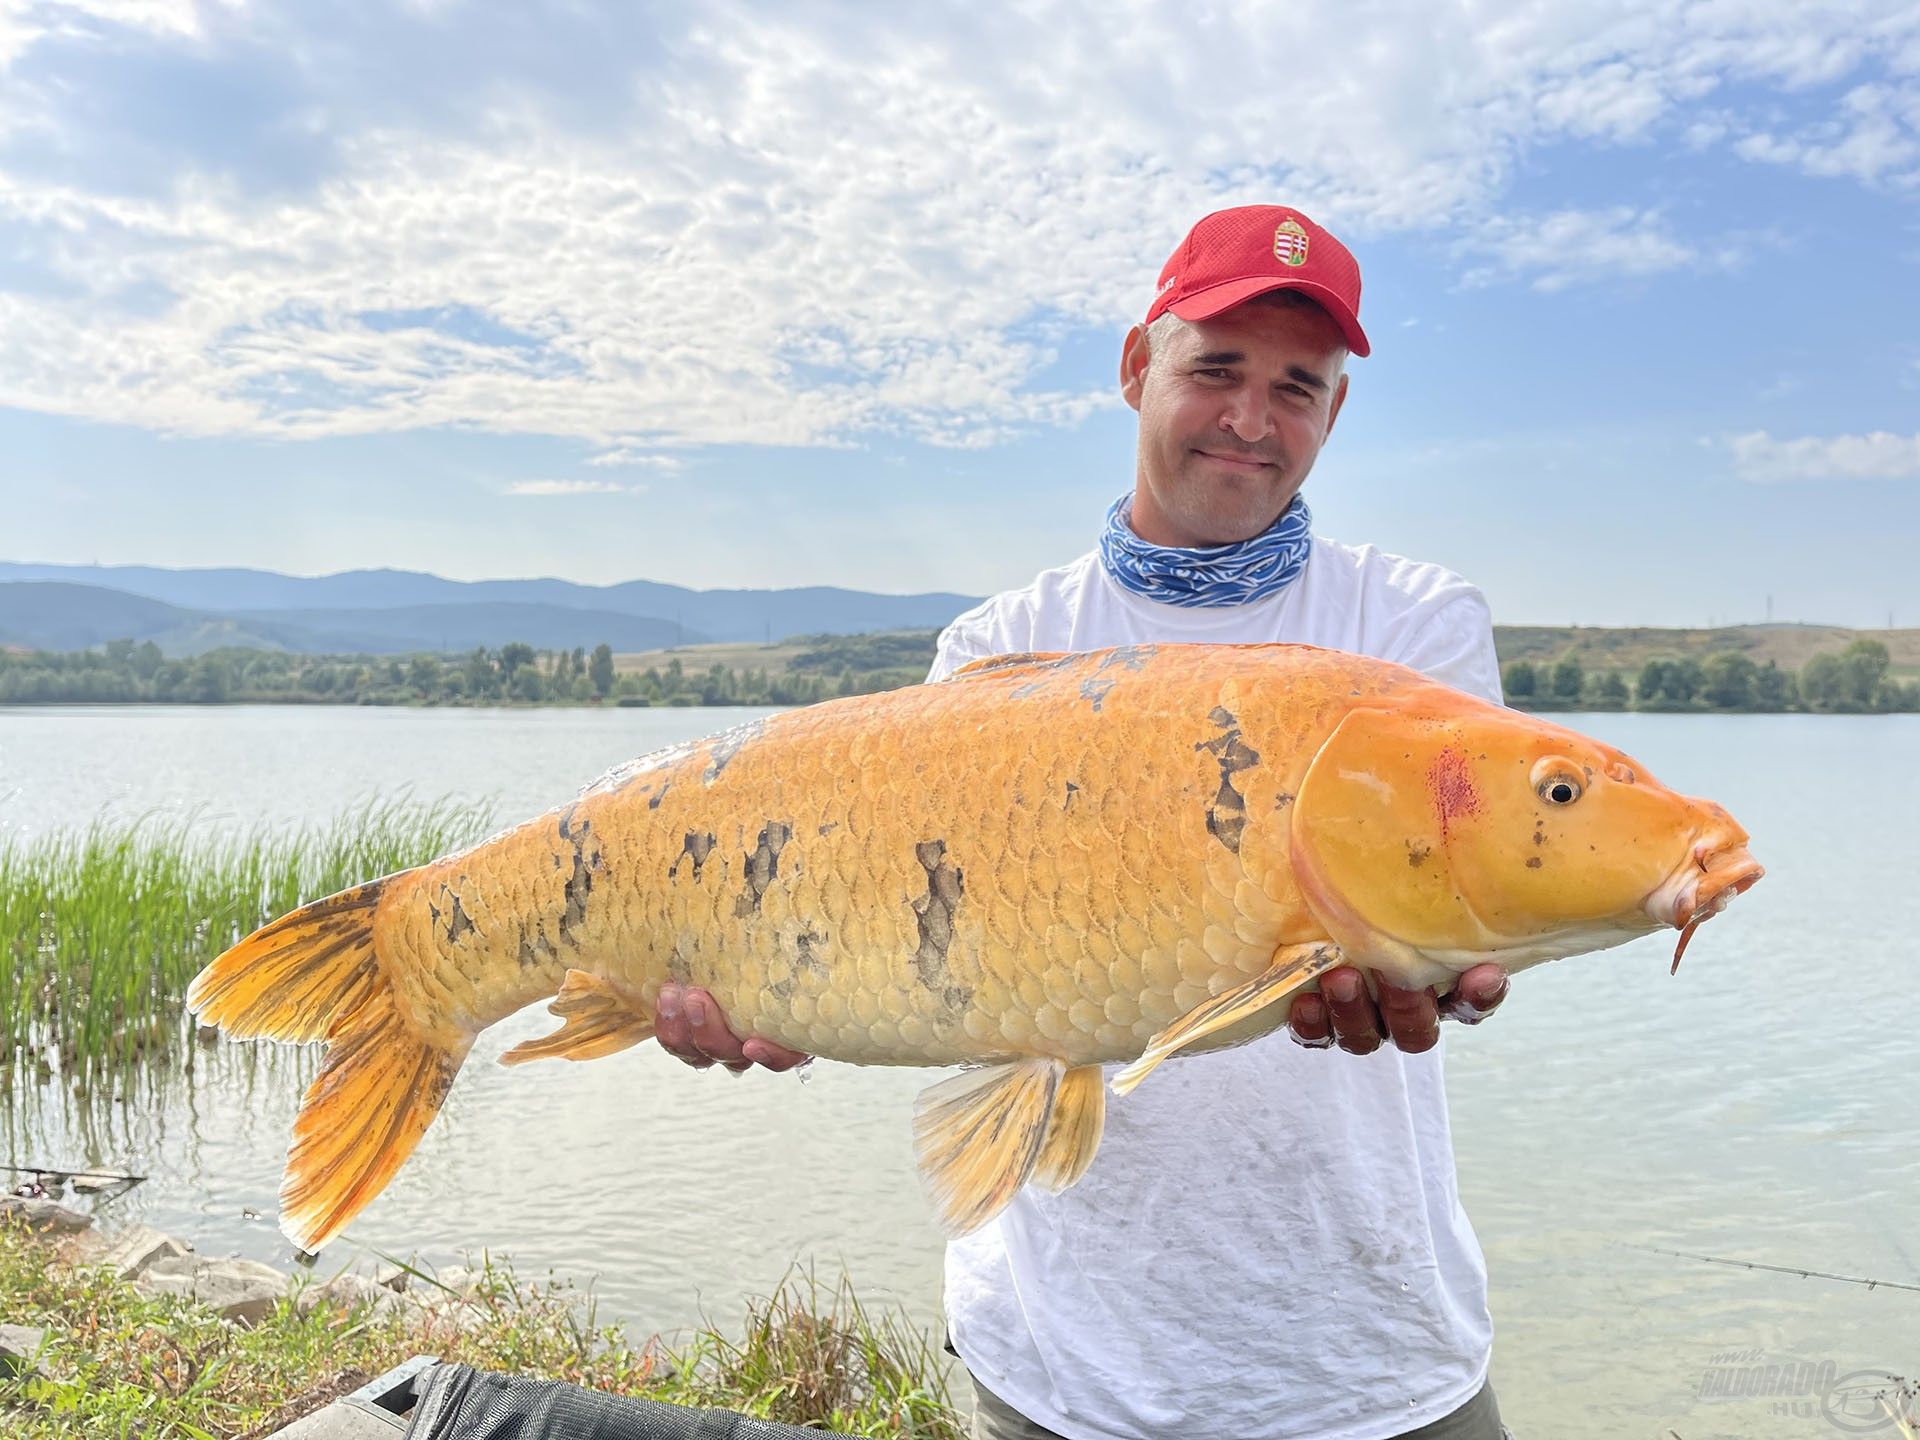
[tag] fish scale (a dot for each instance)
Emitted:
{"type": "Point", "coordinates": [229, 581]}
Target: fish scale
{"type": "Point", "coordinates": [1045, 864]}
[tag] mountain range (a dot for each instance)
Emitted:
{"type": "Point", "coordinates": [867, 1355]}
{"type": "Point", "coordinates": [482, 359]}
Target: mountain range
{"type": "Point", "coordinates": [186, 612]}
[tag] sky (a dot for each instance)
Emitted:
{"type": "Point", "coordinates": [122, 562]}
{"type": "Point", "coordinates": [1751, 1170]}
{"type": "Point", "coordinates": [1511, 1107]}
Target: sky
{"type": "Point", "coordinates": [743, 294]}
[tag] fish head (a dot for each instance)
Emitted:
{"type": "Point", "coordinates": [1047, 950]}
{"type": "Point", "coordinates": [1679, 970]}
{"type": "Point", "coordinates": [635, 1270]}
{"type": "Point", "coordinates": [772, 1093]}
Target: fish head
{"type": "Point", "coordinates": [1431, 837]}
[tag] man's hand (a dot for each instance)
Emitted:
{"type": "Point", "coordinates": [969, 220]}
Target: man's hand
{"type": "Point", "coordinates": [689, 1025]}
{"type": "Point", "coordinates": [1343, 1013]}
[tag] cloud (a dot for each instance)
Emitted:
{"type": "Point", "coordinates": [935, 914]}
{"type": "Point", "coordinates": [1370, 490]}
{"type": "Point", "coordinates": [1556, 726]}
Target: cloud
{"type": "Point", "coordinates": [655, 228]}
{"type": "Point", "coordinates": [571, 487]}
{"type": "Point", "coordinates": [1874, 139]}
{"type": "Point", "coordinates": [1572, 247]}
{"type": "Point", "coordinates": [1760, 458]}
{"type": "Point", "coordinates": [625, 455]}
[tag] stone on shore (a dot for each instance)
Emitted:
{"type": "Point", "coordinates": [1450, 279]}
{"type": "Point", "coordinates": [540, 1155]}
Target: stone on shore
{"type": "Point", "coordinates": [137, 1247]}
{"type": "Point", "coordinates": [43, 1217]}
{"type": "Point", "coordinates": [19, 1345]}
{"type": "Point", "coordinates": [243, 1291]}
{"type": "Point", "coordinates": [346, 1290]}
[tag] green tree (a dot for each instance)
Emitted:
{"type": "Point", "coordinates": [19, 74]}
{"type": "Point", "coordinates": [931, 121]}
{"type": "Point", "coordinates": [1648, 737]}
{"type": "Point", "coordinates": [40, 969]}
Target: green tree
{"type": "Point", "coordinates": [1610, 691]}
{"type": "Point", "coordinates": [514, 658]}
{"type": "Point", "coordinates": [1774, 688]}
{"type": "Point", "coordinates": [600, 670]}
{"type": "Point", "coordinates": [1518, 679]}
{"type": "Point", "coordinates": [1568, 678]}
{"type": "Point", "coordinates": [1823, 682]}
{"type": "Point", "coordinates": [1862, 666]}
{"type": "Point", "coordinates": [1727, 680]}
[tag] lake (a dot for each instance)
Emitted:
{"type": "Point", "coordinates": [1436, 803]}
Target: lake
{"type": "Point", "coordinates": [1758, 1107]}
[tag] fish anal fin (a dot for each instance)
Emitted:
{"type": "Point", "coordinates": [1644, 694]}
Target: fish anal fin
{"type": "Point", "coordinates": [1073, 1134]}
{"type": "Point", "coordinates": [1293, 968]}
{"type": "Point", "coordinates": [1008, 664]}
{"type": "Point", "coordinates": [977, 1136]}
{"type": "Point", "coordinates": [599, 1020]}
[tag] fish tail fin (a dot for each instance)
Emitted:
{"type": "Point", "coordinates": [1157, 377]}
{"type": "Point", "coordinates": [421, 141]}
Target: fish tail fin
{"type": "Point", "coordinates": [316, 975]}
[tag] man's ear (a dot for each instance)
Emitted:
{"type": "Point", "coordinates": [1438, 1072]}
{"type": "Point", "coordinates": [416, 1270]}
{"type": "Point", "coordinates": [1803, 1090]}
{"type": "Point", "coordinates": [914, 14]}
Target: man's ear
{"type": "Point", "coordinates": [1133, 366]}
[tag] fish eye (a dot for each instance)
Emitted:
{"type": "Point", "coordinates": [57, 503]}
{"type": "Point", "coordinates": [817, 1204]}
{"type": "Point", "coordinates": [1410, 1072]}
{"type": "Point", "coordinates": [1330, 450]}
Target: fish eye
{"type": "Point", "coordinates": [1558, 790]}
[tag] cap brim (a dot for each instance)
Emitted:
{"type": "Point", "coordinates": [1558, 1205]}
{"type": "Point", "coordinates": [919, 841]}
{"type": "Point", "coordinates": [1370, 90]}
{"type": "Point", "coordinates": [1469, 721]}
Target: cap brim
{"type": "Point", "coordinates": [1207, 303]}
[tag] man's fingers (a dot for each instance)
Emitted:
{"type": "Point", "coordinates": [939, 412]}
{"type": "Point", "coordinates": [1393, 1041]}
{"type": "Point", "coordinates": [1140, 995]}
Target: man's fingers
{"type": "Point", "coordinates": [1309, 1022]}
{"type": "Point", "coordinates": [1356, 1024]}
{"type": "Point", "coordinates": [774, 1057]}
{"type": "Point", "coordinates": [708, 1027]}
{"type": "Point", "coordinates": [1411, 1017]}
{"type": "Point", "coordinates": [1476, 995]}
{"type": "Point", "coordinates": [672, 1028]}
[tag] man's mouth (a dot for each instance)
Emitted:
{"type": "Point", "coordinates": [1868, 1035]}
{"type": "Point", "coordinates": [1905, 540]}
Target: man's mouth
{"type": "Point", "coordinates": [1238, 462]}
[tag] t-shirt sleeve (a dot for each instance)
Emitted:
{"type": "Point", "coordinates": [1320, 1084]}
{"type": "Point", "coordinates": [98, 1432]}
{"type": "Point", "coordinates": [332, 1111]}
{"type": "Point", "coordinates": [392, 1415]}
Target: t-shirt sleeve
{"type": "Point", "coordinates": [961, 643]}
{"type": "Point", "coordinates": [1454, 645]}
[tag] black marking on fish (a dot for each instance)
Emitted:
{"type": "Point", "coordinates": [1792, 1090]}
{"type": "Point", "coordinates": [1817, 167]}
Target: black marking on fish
{"type": "Point", "coordinates": [1533, 862]}
{"type": "Point", "coordinates": [1131, 657]}
{"type": "Point", "coordinates": [805, 946]}
{"type": "Point", "coordinates": [1282, 800]}
{"type": "Point", "coordinates": [780, 989]}
{"type": "Point", "coordinates": [459, 923]}
{"type": "Point", "coordinates": [1021, 692]}
{"type": "Point", "coordinates": [830, 825]}
{"type": "Point", "coordinates": [934, 914]}
{"type": "Point", "coordinates": [696, 847]}
{"type": "Point", "coordinates": [1095, 689]}
{"type": "Point", "coordinates": [537, 950]}
{"type": "Point", "coordinates": [1417, 854]}
{"type": "Point", "coordinates": [1227, 813]}
{"type": "Point", "coordinates": [1072, 790]}
{"type": "Point", "coordinates": [763, 866]}
{"type": "Point", "coordinates": [727, 745]}
{"type": "Point", "coordinates": [653, 800]}
{"type": "Point", "coordinates": [580, 880]}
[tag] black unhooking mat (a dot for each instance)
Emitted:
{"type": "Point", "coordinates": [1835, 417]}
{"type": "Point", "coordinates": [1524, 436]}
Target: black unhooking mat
{"type": "Point", "coordinates": [458, 1402]}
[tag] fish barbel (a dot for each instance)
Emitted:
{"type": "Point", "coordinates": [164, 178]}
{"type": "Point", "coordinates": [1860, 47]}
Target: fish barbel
{"type": "Point", "coordinates": [1040, 865]}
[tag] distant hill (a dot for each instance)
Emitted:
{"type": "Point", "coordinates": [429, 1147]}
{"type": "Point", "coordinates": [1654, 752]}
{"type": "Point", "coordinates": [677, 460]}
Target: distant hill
{"type": "Point", "coordinates": [745, 615]}
{"type": "Point", "coordinates": [50, 615]}
{"type": "Point", "coordinates": [1788, 646]}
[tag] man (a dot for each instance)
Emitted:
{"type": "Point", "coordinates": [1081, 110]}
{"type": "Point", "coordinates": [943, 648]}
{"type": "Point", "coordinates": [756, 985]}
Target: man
{"type": "Point", "coordinates": [1270, 1243]}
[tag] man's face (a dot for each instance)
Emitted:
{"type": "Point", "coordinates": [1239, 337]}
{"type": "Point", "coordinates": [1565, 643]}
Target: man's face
{"type": "Point", "coordinates": [1233, 411]}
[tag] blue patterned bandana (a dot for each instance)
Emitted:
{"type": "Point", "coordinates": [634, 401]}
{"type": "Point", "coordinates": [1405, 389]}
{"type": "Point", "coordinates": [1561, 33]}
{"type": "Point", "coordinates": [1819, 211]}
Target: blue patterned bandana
{"type": "Point", "coordinates": [1236, 574]}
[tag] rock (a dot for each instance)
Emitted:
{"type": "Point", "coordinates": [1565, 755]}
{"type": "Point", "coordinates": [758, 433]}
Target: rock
{"type": "Point", "coordinates": [43, 1216]}
{"type": "Point", "coordinates": [394, 1277]}
{"type": "Point", "coordinates": [243, 1291]}
{"type": "Point", "coordinates": [461, 1279]}
{"type": "Point", "coordinates": [19, 1347]}
{"type": "Point", "coordinates": [347, 1290]}
{"type": "Point", "coordinates": [132, 1250]}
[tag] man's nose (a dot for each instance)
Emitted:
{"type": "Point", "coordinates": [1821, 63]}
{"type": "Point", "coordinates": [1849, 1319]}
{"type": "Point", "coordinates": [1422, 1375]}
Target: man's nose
{"type": "Point", "coordinates": [1247, 416]}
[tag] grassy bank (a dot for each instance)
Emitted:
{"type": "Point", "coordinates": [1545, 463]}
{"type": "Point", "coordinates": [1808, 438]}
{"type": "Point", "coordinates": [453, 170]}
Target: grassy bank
{"type": "Point", "coordinates": [118, 1362]}
{"type": "Point", "coordinates": [101, 929]}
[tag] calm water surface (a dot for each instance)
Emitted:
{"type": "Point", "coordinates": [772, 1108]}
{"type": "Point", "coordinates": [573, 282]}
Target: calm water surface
{"type": "Point", "coordinates": [1760, 1106]}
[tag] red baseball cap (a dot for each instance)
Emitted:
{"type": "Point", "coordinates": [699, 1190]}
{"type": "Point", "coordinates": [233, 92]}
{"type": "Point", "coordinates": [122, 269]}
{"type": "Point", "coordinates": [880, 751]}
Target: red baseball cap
{"type": "Point", "coordinates": [1233, 255]}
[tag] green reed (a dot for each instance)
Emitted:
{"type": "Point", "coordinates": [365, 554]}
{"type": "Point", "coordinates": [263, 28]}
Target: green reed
{"type": "Point", "coordinates": [102, 928]}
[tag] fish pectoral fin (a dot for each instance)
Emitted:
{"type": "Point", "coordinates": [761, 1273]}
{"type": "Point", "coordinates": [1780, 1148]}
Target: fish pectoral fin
{"type": "Point", "coordinates": [1293, 967]}
{"type": "Point", "coordinates": [1073, 1134]}
{"type": "Point", "coordinates": [599, 1021]}
{"type": "Point", "coordinates": [978, 1136]}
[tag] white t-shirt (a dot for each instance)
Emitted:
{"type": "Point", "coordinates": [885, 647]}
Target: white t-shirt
{"type": "Point", "coordinates": [1270, 1242]}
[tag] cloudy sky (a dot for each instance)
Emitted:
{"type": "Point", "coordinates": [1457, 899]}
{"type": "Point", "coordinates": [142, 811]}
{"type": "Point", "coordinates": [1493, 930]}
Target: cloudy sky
{"type": "Point", "coordinates": [809, 292]}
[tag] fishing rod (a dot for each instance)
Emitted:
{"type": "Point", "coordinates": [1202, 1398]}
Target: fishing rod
{"type": "Point", "coordinates": [1866, 1280]}
{"type": "Point", "coordinates": [70, 1172]}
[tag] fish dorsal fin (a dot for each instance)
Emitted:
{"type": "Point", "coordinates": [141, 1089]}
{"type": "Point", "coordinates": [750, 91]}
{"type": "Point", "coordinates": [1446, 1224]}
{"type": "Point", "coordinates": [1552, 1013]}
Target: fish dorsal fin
{"type": "Point", "coordinates": [977, 1137]}
{"type": "Point", "coordinates": [1025, 660]}
{"type": "Point", "coordinates": [1293, 967]}
{"type": "Point", "coordinates": [1073, 1134]}
{"type": "Point", "coordinates": [599, 1021]}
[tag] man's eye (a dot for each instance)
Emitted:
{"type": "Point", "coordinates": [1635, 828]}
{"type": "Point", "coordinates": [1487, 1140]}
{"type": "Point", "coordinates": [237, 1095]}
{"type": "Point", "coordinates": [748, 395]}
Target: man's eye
{"type": "Point", "coordinates": [1215, 373]}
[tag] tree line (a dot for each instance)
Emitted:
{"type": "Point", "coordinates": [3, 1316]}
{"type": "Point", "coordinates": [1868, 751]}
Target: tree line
{"type": "Point", "coordinates": [123, 672]}
{"type": "Point", "coordinates": [1854, 680]}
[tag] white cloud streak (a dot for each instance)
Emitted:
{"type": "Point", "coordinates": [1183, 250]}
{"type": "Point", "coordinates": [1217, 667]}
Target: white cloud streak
{"type": "Point", "coordinates": [1880, 455]}
{"type": "Point", "coordinates": [813, 230]}
{"type": "Point", "coordinates": [571, 487]}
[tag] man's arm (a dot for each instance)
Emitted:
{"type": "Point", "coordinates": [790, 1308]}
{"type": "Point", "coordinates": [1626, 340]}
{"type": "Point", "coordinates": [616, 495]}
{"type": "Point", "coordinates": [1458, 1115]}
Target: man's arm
{"type": "Point", "coordinates": [1455, 647]}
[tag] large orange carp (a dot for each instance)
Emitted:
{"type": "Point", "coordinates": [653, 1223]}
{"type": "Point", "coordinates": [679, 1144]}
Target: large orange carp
{"type": "Point", "coordinates": [1040, 865]}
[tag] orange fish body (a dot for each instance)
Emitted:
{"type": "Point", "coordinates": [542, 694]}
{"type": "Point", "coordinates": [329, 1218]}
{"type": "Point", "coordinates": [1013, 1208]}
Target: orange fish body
{"type": "Point", "coordinates": [1041, 865]}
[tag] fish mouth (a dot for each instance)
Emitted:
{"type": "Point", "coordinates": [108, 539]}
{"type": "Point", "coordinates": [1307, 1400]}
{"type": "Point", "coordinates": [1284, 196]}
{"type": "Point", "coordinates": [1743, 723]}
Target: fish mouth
{"type": "Point", "coordinates": [1702, 888]}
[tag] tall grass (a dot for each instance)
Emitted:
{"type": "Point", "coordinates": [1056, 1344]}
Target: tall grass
{"type": "Point", "coordinates": [101, 929]}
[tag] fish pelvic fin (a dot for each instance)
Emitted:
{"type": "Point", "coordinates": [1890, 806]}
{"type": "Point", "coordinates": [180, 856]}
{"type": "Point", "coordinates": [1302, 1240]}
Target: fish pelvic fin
{"type": "Point", "coordinates": [316, 974]}
{"type": "Point", "coordinates": [599, 1020]}
{"type": "Point", "coordinates": [978, 1136]}
{"type": "Point", "coordinates": [1073, 1134]}
{"type": "Point", "coordinates": [1293, 968]}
